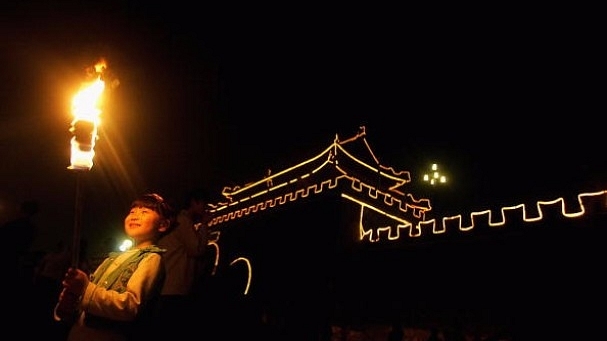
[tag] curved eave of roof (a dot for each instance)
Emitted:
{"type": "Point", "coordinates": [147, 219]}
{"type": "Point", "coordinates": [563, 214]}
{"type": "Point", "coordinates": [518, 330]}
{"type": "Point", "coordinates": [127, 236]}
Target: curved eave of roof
{"type": "Point", "coordinates": [349, 162]}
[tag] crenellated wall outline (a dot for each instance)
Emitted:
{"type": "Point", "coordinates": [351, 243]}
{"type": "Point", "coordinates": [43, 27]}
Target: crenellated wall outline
{"type": "Point", "coordinates": [350, 169]}
{"type": "Point", "coordinates": [440, 226]}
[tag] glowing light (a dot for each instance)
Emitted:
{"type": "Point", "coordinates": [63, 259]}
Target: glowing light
{"type": "Point", "coordinates": [435, 177]}
{"type": "Point", "coordinates": [249, 272]}
{"type": "Point", "coordinates": [126, 244]}
{"type": "Point", "coordinates": [86, 110]}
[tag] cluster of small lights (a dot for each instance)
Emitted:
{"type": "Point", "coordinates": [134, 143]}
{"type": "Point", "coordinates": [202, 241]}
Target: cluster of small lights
{"type": "Point", "coordinates": [435, 177]}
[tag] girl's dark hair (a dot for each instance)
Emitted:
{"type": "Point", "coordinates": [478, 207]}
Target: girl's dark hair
{"type": "Point", "coordinates": [155, 202]}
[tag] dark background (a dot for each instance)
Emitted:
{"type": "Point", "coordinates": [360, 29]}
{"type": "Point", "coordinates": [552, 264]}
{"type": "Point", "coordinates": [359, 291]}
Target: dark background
{"type": "Point", "coordinates": [506, 101]}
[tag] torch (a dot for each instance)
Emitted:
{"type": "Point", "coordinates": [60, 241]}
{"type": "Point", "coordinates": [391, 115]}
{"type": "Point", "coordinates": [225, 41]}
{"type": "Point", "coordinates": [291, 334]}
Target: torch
{"type": "Point", "coordinates": [86, 110]}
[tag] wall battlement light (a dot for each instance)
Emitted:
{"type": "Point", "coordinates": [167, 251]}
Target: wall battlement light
{"type": "Point", "coordinates": [435, 178]}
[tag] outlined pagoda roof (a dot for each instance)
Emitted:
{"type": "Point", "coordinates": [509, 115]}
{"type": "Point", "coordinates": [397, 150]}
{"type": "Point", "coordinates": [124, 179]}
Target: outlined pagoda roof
{"type": "Point", "coordinates": [349, 169]}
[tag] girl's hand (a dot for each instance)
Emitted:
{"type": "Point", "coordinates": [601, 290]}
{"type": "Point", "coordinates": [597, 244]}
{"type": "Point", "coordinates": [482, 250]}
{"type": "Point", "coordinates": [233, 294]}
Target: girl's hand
{"type": "Point", "coordinates": [75, 281]}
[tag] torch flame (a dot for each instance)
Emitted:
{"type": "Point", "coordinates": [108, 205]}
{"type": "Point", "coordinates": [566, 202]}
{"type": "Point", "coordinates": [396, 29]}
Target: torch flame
{"type": "Point", "coordinates": [86, 110]}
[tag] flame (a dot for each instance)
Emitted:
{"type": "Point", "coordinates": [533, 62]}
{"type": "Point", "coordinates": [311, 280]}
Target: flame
{"type": "Point", "coordinates": [86, 110]}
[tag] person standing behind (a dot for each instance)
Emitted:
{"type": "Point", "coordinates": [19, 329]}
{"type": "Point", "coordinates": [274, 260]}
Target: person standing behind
{"type": "Point", "coordinates": [185, 249]}
{"type": "Point", "coordinates": [116, 302]}
{"type": "Point", "coordinates": [47, 278]}
{"type": "Point", "coordinates": [20, 234]}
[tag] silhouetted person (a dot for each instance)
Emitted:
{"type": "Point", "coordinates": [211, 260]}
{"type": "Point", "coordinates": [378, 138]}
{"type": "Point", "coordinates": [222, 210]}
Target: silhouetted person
{"type": "Point", "coordinates": [455, 334]}
{"type": "Point", "coordinates": [19, 235]}
{"type": "Point", "coordinates": [396, 331]}
{"type": "Point", "coordinates": [185, 250]}
{"type": "Point", "coordinates": [434, 335]}
{"type": "Point", "coordinates": [48, 274]}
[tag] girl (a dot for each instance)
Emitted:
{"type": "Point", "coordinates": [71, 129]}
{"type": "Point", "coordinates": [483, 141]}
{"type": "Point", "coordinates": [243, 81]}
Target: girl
{"type": "Point", "coordinates": [116, 301]}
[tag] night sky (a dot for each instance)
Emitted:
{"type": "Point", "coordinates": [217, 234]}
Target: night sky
{"type": "Point", "coordinates": [212, 97]}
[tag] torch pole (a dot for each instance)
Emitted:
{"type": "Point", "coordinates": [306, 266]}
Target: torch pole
{"type": "Point", "coordinates": [68, 301]}
{"type": "Point", "coordinates": [77, 220]}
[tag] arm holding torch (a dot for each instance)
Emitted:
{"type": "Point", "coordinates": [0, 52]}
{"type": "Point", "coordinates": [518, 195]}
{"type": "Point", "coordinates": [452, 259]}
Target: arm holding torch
{"type": "Point", "coordinates": [74, 284]}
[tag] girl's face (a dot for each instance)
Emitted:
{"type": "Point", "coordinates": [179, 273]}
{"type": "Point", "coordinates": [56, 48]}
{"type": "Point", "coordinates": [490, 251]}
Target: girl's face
{"type": "Point", "coordinates": [143, 225]}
